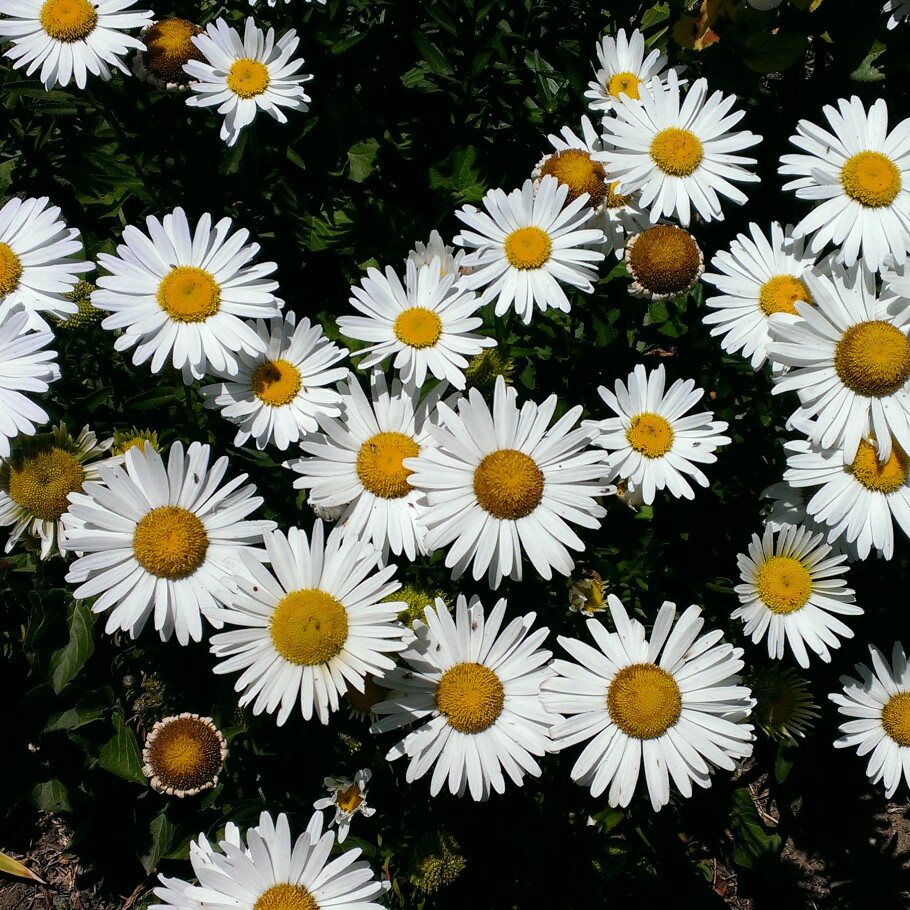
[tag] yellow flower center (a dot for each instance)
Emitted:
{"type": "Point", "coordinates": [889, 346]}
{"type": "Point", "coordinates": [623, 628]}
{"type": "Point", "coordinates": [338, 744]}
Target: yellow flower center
{"type": "Point", "coordinates": [248, 78]}
{"type": "Point", "coordinates": [873, 358]}
{"type": "Point", "coordinates": [676, 152]}
{"type": "Point", "coordinates": [168, 46]}
{"type": "Point", "coordinates": [188, 294]}
{"type": "Point", "coordinates": [418, 328]}
{"type": "Point", "coordinates": [873, 475]}
{"type": "Point", "coordinates": [528, 248]}
{"type": "Point", "coordinates": [664, 260]}
{"type": "Point", "coordinates": [309, 627]}
{"type": "Point", "coordinates": [286, 897]}
{"type": "Point", "coordinates": [41, 481]}
{"type": "Point", "coordinates": [10, 270]}
{"type": "Point", "coordinates": [349, 800]}
{"type": "Point", "coordinates": [579, 172]}
{"type": "Point", "coordinates": [780, 293]}
{"type": "Point", "coordinates": [871, 178]}
{"type": "Point", "coordinates": [896, 718]}
{"type": "Point", "coordinates": [276, 382]}
{"type": "Point", "coordinates": [644, 701]}
{"type": "Point", "coordinates": [616, 200]}
{"type": "Point", "coordinates": [68, 20]}
{"type": "Point", "coordinates": [471, 697]}
{"type": "Point", "coordinates": [650, 434]}
{"type": "Point", "coordinates": [185, 753]}
{"type": "Point", "coordinates": [624, 84]}
{"type": "Point", "coordinates": [784, 584]}
{"type": "Point", "coordinates": [170, 542]}
{"type": "Point", "coordinates": [379, 464]}
{"type": "Point", "coordinates": [508, 484]}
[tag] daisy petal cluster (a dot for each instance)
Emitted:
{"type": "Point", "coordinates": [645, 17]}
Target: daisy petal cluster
{"type": "Point", "coordinates": [348, 798]}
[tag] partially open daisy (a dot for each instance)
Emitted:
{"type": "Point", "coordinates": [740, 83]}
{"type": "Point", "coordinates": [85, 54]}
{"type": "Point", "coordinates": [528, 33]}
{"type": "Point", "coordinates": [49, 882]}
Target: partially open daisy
{"type": "Point", "coordinates": [246, 76]}
{"type": "Point", "coordinates": [279, 395]}
{"type": "Point", "coordinates": [784, 708]}
{"type": "Point", "coordinates": [664, 261]}
{"type": "Point", "coordinates": [526, 244]}
{"type": "Point", "coordinates": [426, 324]}
{"type": "Point", "coordinates": [478, 684]}
{"type": "Point", "coordinates": [879, 707]}
{"type": "Point", "coordinates": [650, 442]}
{"type": "Point", "coordinates": [348, 798]}
{"type": "Point", "coordinates": [678, 152]}
{"type": "Point", "coordinates": [184, 754]}
{"type": "Point", "coordinates": [672, 705]}
{"type": "Point", "coordinates": [161, 539]}
{"type": "Point", "coordinates": [500, 485]}
{"type": "Point", "coordinates": [185, 297]}
{"type": "Point", "coordinates": [791, 592]}
{"type": "Point", "coordinates": [67, 39]}
{"type": "Point", "coordinates": [37, 479]}
{"type": "Point", "coordinates": [589, 594]}
{"type": "Point", "coordinates": [860, 175]}
{"type": "Point", "coordinates": [435, 248]}
{"type": "Point", "coordinates": [168, 47]}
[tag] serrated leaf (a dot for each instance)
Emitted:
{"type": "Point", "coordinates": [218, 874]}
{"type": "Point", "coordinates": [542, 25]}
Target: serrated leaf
{"type": "Point", "coordinates": [866, 72]}
{"type": "Point", "coordinates": [431, 54]}
{"type": "Point", "coordinates": [361, 159]}
{"type": "Point", "coordinates": [120, 754]}
{"type": "Point", "coordinates": [66, 662]}
{"type": "Point", "coordinates": [160, 835]}
{"type": "Point", "coordinates": [751, 840]}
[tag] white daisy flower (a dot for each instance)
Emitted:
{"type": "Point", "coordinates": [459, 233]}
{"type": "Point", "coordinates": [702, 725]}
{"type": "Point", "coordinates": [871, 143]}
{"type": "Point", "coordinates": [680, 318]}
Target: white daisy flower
{"type": "Point", "coordinates": [501, 486]}
{"type": "Point", "coordinates": [312, 627]}
{"type": "Point", "coordinates": [672, 704]}
{"type": "Point", "coordinates": [347, 797]}
{"type": "Point", "coordinates": [790, 591]}
{"type": "Point", "coordinates": [271, 872]}
{"type": "Point", "coordinates": [525, 244]}
{"type": "Point", "coordinates": [358, 463]}
{"type": "Point", "coordinates": [879, 707]}
{"type": "Point", "coordinates": [37, 265]}
{"type": "Point", "coordinates": [434, 248]}
{"type": "Point", "coordinates": [678, 152]}
{"type": "Point", "coordinates": [899, 9]}
{"type": "Point", "coordinates": [161, 539]}
{"type": "Point", "coordinates": [756, 278]}
{"type": "Point", "coordinates": [68, 39]}
{"type": "Point", "coordinates": [185, 297]}
{"type": "Point", "coordinates": [427, 324]}
{"type": "Point", "coordinates": [279, 395]}
{"type": "Point", "coordinates": [479, 686]}
{"type": "Point", "coordinates": [246, 76]}
{"type": "Point", "coordinates": [860, 175]}
{"type": "Point", "coordinates": [664, 262]}
{"type": "Point", "coordinates": [650, 442]}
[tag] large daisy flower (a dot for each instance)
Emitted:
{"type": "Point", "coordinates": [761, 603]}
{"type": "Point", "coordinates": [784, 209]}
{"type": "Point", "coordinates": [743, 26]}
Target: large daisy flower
{"type": "Point", "coordinates": [279, 395]}
{"type": "Point", "coordinates": [678, 152]}
{"type": "Point", "coordinates": [525, 244]}
{"type": "Point", "coordinates": [185, 297]}
{"type": "Point", "coordinates": [672, 705]}
{"type": "Point", "coordinates": [69, 38]}
{"type": "Point", "coordinates": [650, 442]}
{"type": "Point", "coordinates": [160, 539]}
{"type": "Point", "coordinates": [247, 76]}
{"type": "Point", "coordinates": [790, 592]}
{"type": "Point", "coordinates": [270, 871]}
{"type": "Point", "coordinates": [879, 707]}
{"type": "Point", "coordinates": [311, 628]}
{"type": "Point", "coordinates": [427, 324]}
{"type": "Point", "coordinates": [479, 686]}
{"type": "Point", "coordinates": [860, 174]}
{"type": "Point", "coordinates": [500, 485]}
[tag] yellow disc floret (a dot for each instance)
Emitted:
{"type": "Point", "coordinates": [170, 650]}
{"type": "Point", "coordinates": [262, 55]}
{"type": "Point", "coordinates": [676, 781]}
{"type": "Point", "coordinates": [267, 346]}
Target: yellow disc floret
{"type": "Point", "coordinates": [41, 479]}
{"type": "Point", "coordinates": [664, 260]}
{"type": "Point", "coordinates": [470, 696]}
{"type": "Point", "coordinates": [286, 897]}
{"type": "Point", "coordinates": [349, 799]}
{"type": "Point", "coordinates": [784, 584]}
{"type": "Point", "coordinates": [309, 627]}
{"type": "Point", "coordinates": [170, 542]}
{"type": "Point", "coordinates": [418, 328]}
{"type": "Point", "coordinates": [877, 476]}
{"type": "Point", "coordinates": [873, 358]}
{"type": "Point", "coordinates": [379, 464]}
{"type": "Point", "coordinates": [616, 200]}
{"type": "Point", "coordinates": [896, 718]}
{"type": "Point", "coordinates": [579, 172]}
{"type": "Point", "coordinates": [185, 753]}
{"type": "Point", "coordinates": [780, 293]}
{"type": "Point", "coordinates": [644, 701]}
{"type": "Point", "coordinates": [871, 178]}
{"type": "Point", "coordinates": [276, 382]}
{"type": "Point", "coordinates": [68, 20]}
{"type": "Point", "coordinates": [508, 484]}
{"type": "Point", "coordinates": [528, 248]}
{"type": "Point", "coordinates": [189, 294]}
{"type": "Point", "coordinates": [168, 46]}
{"type": "Point", "coordinates": [248, 78]}
{"type": "Point", "coordinates": [650, 434]}
{"type": "Point", "coordinates": [624, 84]}
{"type": "Point", "coordinates": [676, 152]}
{"type": "Point", "coordinates": [10, 270]}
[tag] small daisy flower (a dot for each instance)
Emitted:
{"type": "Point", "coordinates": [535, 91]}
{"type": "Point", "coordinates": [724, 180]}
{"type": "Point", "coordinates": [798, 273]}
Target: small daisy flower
{"type": "Point", "coordinates": [424, 253]}
{"type": "Point", "coordinates": [184, 754]}
{"type": "Point", "coordinates": [246, 76]}
{"type": "Point", "coordinates": [588, 595]}
{"type": "Point", "coordinates": [651, 443]}
{"type": "Point", "coordinates": [168, 48]}
{"type": "Point", "coordinates": [134, 438]}
{"type": "Point", "coordinates": [790, 592]}
{"type": "Point", "coordinates": [784, 708]}
{"type": "Point", "coordinates": [899, 9]}
{"type": "Point", "coordinates": [278, 396]}
{"type": "Point", "coordinates": [67, 39]}
{"type": "Point", "coordinates": [347, 797]}
{"type": "Point", "coordinates": [525, 244]}
{"type": "Point", "coordinates": [664, 261]}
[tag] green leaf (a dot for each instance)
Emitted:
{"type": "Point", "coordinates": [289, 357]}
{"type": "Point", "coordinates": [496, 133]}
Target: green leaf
{"type": "Point", "coordinates": [769, 52]}
{"type": "Point", "coordinates": [51, 796]}
{"type": "Point", "coordinates": [66, 662]}
{"type": "Point", "coordinates": [13, 867]}
{"type": "Point", "coordinates": [751, 840]}
{"type": "Point", "coordinates": [786, 755]}
{"type": "Point", "coordinates": [362, 159]}
{"type": "Point", "coordinates": [120, 754]}
{"type": "Point", "coordinates": [866, 72]}
{"type": "Point", "coordinates": [432, 54]}
{"type": "Point", "coordinates": [459, 176]}
{"type": "Point", "coordinates": [230, 164]}
{"type": "Point", "coordinates": [655, 15]}
{"type": "Point", "coordinates": [6, 174]}
{"type": "Point", "coordinates": [160, 835]}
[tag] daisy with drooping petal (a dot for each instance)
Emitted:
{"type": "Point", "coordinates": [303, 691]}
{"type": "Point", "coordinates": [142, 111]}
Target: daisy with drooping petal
{"type": "Point", "coordinates": [161, 539]}
{"type": "Point", "coordinates": [671, 706]}
{"type": "Point", "coordinates": [348, 797]}
{"type": "Point", "coordinates": [272, 872]}
{"type": "Point", "coordinates": [678, 152]}
{"type": "Point", "coordinates": [651, 443]}
{"type": "Point", "coordinates": [500, 485]}
{"type": "Point", "coordinates": [278, 396]}
{"type": "Point", "coordinates": [313, 626]}
{"type": "Point", "coordinates": [860, 175]}
{"type": "Point", "coordinates": [526, 244]}
{"type": "Point", "coordinates": [426, 324]}
{"type": "Point", "coordinates": [185, 297]}
{"type": "Point", "coordinates": [68, 39]}
{"type": "Point", "coordinates": [879, 707]}
{"type": "Point", "coordinates": [790, 590]}
{"type": "Point", "coordinates": [478, 684]}
{"type": "Point", "coordinates": [246, 76]}
{"type": "Point", "coordinates": [184, 754]}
